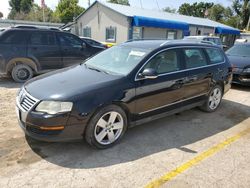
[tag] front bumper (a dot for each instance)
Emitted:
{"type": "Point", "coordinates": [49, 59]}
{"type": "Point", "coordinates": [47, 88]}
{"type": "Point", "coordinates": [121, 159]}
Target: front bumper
{"type": "Point", "coordinates": [33, 125]}
{"type": "Point", "coordinates": [242, 79]}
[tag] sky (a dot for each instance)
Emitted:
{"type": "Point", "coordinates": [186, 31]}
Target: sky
{"type": "Point", "coordinates": [147, 4]}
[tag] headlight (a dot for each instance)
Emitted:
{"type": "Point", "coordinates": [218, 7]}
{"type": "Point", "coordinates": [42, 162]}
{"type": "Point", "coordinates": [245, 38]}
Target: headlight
{"type": "Point", "coordinates": [54, 107]}
{"type": "Point", "coordinates": [247, 70]}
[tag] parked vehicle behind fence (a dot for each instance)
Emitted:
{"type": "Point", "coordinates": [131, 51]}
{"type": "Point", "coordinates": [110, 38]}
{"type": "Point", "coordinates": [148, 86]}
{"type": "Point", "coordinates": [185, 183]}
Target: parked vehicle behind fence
{"type": "Point", "coordinates": [26, 51]}
{"type": "Point", "coordinates": [213, 39]}
{"type": "Point", "coordinates": [239, 57]}
{"type": "Point", "coordinates": [125, 85]}
{"type": "Point", "coordinates": [94, 45]}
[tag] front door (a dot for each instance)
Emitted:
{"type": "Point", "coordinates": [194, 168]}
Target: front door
{"type": "Point", "coordinates": [73, 50]}
{"type": "Point", "coordinates": [167, 89]}
{"type": "Point", "coordinates": [44, 49]}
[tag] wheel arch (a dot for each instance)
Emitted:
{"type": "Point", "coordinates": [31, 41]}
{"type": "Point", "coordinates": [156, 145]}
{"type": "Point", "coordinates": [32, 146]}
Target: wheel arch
{"type": "Point", "coordinates": [116, 103]}
{"type": "Point", "coordinates": [25, 61]}
{"type": "Point", "coordinates": [221, 84]}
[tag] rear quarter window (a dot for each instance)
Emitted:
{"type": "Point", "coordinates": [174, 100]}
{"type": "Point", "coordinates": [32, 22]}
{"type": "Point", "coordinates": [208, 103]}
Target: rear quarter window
{"type": "Point", "coordinates": [215, 55]}
{"type": "Point", "coordinates": [13, 37]}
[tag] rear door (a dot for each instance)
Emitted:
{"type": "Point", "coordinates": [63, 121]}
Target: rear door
{"type": "Point", "coordinates": [44, 48]}
{"type": "Point", "coordinates": [198, 72]}
{"type": "Point", "coordinates": [13, 44]}
{"type": "Point", "coordinates": [73, 50]}
{"type": "Point", "coordinates": [155, 95]}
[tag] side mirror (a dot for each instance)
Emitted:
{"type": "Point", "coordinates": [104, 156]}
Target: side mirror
{"type": "Point", "coordinates": [84, 45]}
{"type": "Point", "coordinates": [149, 73]}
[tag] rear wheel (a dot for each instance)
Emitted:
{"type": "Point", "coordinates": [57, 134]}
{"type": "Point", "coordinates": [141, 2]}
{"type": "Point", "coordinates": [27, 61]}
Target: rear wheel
{"type": "Point", "coordinates": [21, 73]}
{"type": "Point", "coordinates": [106, 127]}
{"type": "Point", "coordinates": [213, 100]}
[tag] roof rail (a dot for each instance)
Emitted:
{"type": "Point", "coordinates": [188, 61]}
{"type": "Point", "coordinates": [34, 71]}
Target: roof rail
{"type": "Point", "coordinates": [132, 40]}
{"type": "Point", "coordinates": [36, 27]}
{"type": "Point", "coordinates": [24, 27]}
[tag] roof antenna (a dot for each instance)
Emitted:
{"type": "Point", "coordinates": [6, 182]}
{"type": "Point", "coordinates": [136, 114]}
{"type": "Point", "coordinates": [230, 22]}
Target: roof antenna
{"type": "Point", "coordinates": [157, 4]}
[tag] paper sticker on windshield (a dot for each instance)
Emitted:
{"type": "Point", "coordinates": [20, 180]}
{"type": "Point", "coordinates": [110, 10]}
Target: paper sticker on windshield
{"type": "Point", "coordinates": [137, 53]}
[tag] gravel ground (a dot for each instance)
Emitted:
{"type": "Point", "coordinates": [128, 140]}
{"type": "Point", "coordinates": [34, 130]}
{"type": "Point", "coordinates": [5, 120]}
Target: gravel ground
{"type": "Point", "coordinates": [146, 152]}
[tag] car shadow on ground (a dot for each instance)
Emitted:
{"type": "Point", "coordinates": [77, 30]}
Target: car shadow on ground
{"type": "Point", "coordinates": [175, 131]}
{"type": "Point", "coordinates": [9, 83]}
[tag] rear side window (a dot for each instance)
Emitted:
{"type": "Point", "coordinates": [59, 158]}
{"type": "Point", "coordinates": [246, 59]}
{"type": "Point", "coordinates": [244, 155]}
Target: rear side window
{"type": "Point", "coordinates": [215, 55]}
{"type": "Point", "coordinates": [42, 38]}
{"type": "Point", "coordinates": [194, 58]}
{"type": "Point", "coordinates": [13, 37]}
{"type": "Point", "coordinates": [165, 62]}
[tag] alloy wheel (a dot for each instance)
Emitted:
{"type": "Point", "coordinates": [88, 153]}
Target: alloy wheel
{"type": "Point", "coordinates": [215, 98]}
{"type": "Point", "coordinates": [109, 128]}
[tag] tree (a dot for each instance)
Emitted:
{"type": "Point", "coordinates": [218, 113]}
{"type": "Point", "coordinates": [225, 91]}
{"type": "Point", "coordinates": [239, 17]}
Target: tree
{"type": "Point", "coordinates": [36, 14]}
{"type": "Point", "coordinates": [217, 13]}
{"type": "Point", "coordinates": [195, 9]}
{"type": "Point", "coordinates": [19, 6]}
{"type": "Point", "coordinates": [170, 10]}
{"type": "Point", "coordinates": [26, 5]}
{"type": "Point", "coordinates": [242, 10]}
{"type": "Point", "coordinates": [67, 10]}
{"type": "Point", "coordinates": [122, 2]}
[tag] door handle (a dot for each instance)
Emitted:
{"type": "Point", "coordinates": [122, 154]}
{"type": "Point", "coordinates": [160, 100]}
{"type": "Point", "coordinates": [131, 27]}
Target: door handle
{"type": "Point", "coordinates": [179, 82]}
{"type": "Point", "coordinates": [220, 70]}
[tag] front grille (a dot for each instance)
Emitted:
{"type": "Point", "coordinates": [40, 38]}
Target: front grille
{"type": "Point", "coordinates": [26, 101]}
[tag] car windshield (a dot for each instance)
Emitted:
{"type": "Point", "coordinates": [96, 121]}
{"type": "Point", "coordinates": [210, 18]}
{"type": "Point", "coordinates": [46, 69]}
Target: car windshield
{"type": "Point", "coordinates": [239, 50]}
{"type": "Point", "coordinates": [117, 60]}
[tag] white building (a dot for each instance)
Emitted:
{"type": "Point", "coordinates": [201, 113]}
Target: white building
{"type": "Point", "coordinates": [118, 23]}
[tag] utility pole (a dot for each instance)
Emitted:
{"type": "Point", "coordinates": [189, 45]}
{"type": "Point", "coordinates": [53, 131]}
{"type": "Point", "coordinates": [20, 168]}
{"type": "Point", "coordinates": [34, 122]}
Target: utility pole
{"type": "Point", "coordinates": [43, 7]}
{"type": "Point", "coordinates": [141, 3]}
{"type": "Point", "coordinates": [248, 23]}
{"type": "Point", "coordinates": [89, 3]}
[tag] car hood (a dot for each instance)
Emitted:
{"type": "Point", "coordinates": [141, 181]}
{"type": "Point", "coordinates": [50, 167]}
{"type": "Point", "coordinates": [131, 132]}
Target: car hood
{"type": "Point", "coordinates": [239, 61]}
{"type": "Point", "coordinates": [68, 83]}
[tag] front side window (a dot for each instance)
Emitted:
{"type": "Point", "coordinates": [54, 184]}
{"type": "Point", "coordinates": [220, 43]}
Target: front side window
{"type": "Point", "coordinates": [42, 38]}
{"type": "Point", "coordinates": [165, 62]}
{"type": "Point", "coordinates": [194, 58]}
{"type": "Point", "coordinates": [87, 32]}
{"type": "Point", "coordinates": [69, 40]}
{"type": "Point", "coordinates": [215, 55]}
{"type": "Point", "coordinates": [117, 60]}
{"type": "Point", "coordinates": [111, 34]}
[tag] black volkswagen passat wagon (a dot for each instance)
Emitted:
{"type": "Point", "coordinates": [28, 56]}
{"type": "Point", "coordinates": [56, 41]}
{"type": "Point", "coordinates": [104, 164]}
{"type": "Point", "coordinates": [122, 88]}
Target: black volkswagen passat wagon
{"type": "Point", "coordinates": [123, 86]}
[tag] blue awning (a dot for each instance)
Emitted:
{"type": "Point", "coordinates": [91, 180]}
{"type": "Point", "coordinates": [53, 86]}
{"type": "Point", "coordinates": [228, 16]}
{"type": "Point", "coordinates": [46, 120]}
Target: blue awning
{"type": "Point", "coordinates": [140, 21]}
{"type": "Point", "coordinates": [224, 30]}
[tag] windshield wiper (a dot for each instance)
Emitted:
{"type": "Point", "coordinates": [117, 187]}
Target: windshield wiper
{"type": "Point", "coordinates": [96, 69]}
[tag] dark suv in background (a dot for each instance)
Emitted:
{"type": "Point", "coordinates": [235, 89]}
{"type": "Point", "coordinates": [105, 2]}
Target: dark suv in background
{"type": "Point", "coordinates": [25, 51]}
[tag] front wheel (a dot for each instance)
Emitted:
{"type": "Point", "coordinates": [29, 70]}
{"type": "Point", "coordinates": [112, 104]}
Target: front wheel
{"type": "Point", "coordinates": [213, 100]}
{"type": "Point", "coordinates": [106, 127]}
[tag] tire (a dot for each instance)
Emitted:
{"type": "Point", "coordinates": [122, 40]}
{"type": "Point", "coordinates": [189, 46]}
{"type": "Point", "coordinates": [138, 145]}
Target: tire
{"type": "Point", "coordinates": [214, 100]}
{"type": "Point", "coordinates": [21, 73]}
{"type": "Point", "coordinates": [105, 130]}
